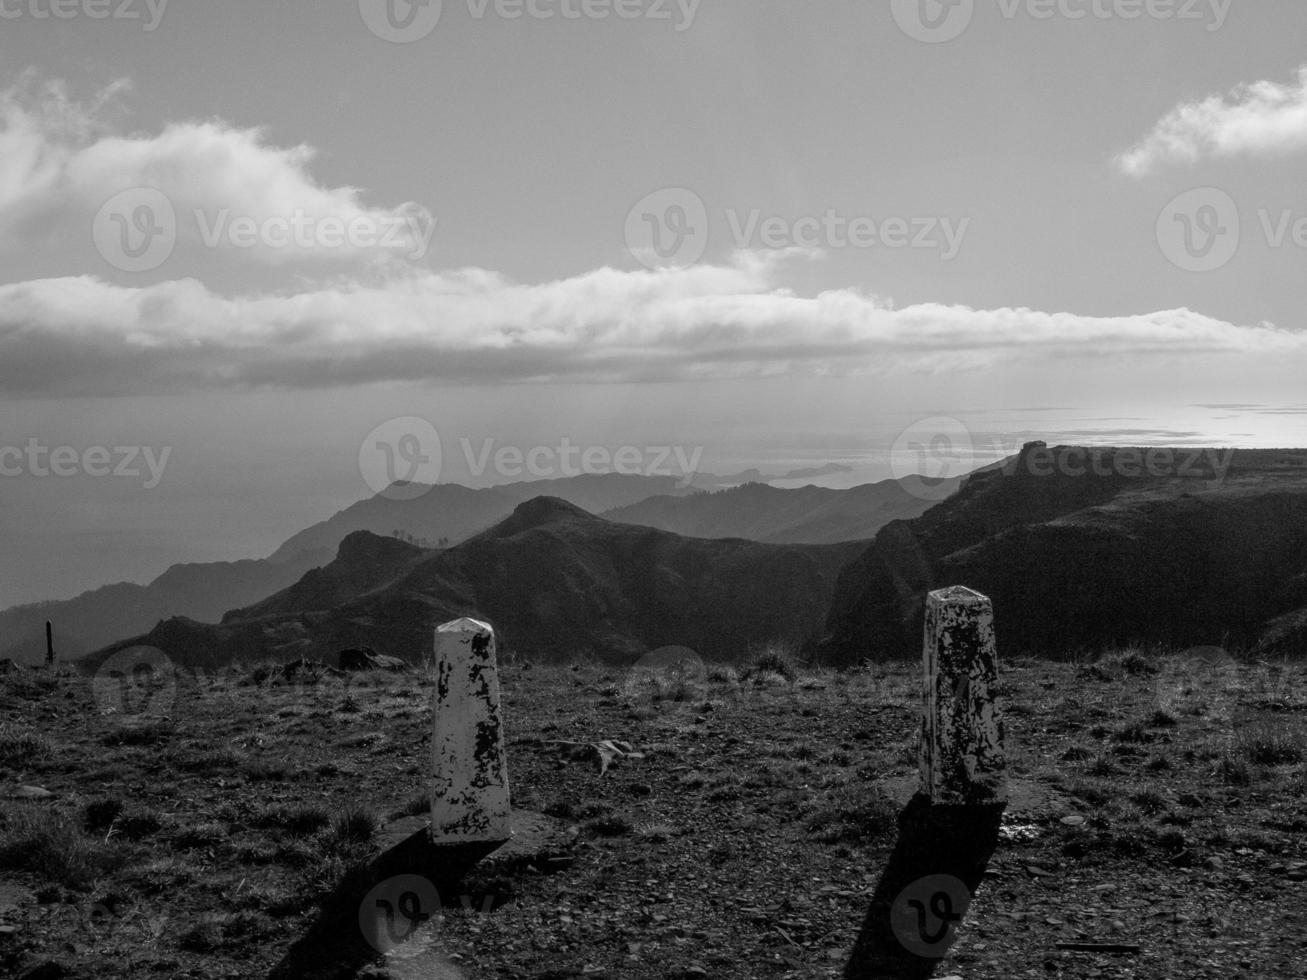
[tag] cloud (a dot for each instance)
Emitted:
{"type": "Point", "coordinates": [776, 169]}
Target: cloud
{"type": "Point", "coordinates": [86, 336]}
{"type": "Point", "coordinates": [1258, 119]}
{"type": "Point", "coordinates": [61, 161]}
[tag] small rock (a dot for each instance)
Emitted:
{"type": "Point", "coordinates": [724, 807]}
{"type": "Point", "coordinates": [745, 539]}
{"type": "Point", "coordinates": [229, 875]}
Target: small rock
{"type": "Point", "coordinates": [31, 793]}
{"type": "Point", "coordinates": [1213, 863]}
{"type": "Point", "coordinates": [1073, 821]}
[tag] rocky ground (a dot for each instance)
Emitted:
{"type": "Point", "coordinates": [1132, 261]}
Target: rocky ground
{"type": "Point", "coordinates": [1158, 805]}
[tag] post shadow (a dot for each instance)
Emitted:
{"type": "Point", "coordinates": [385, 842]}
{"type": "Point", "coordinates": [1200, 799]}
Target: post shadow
{"type": "Point", "coordinates": [336, 947]}
{"type": "Point", "coordinates": [420, 864]}
{"type": "Point", "coordinates": [935, 869]}
{"type": "Point", "coordinates": [949, 830]}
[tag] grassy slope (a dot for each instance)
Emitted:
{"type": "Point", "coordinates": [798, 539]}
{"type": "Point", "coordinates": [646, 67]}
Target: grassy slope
{"type": "Point", "coordinates": [745, 843]}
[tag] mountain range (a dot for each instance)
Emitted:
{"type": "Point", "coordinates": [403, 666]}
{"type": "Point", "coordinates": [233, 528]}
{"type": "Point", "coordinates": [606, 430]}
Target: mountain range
{"type": "Point", "coordinates": [1080, 550]}
{"type": "Point", "coordinates": [808, 515]}
{"type": "Point", "coordinates": [439, 515]}
{"type": "Point", "coordinates": [555, 580]}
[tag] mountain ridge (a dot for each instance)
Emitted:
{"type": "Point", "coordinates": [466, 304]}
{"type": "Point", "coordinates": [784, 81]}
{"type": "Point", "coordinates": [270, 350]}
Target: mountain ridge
{"type": "Point", "coordinates": [1103, 558]}
{"type": "Point", "coordinates": [802, 515]}
{"type": "Point", "coordinates": [555, 580]}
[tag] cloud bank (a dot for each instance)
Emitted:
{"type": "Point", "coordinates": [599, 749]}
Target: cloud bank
{"type": "Point", "coordinates": [396, 321]}
{"type": "Point", "coordinates": [86, 336]}
{"type": "Point", "coordinates": [61, 161]}
{"type": "Point", "coordinates": [1259, 119]}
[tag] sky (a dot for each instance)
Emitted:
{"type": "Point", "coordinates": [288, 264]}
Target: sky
{"type": "Point", "coordinates": [258, 256]}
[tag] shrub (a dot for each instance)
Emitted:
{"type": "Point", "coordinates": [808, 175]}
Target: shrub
{"type": "Point", "coordinates": [1102, 766]}
{"type": "Point", "coordinates": [609, 825]}
{"type": "Point", "coordinates": [417, 806]}
{"type": "Point", "coordinates": [561, 809]}
{"type": "Point", "coordinates": [851, 814]}
{"type": "Point", "coordinates": [150, 733]}
{"type": "Point", "coordinates": [1131, 662]}
{"type": "Point", "coordinates": [208, 762]}
{"type": "Point", "coordinates": [100, 814]}
{"type": "Point", "coordinates": [1149, 801]}
{"type": "Point", "coordinates": [1136, 733]}
{"type": "Point", "coordinates": [1161, 718]}
{"type": "Point", "coordinates": [217, 932]}
{"type": "Point", "coordinates": [1158, 763]}
{"type": "Point", "coordinates": [773, 660]}
{"type": "Point", "coordinates": [1272, 745]}
{"type": "Point", "coordinates": [137, 826]}
{"type": "Point", "coordinates": [722, 674]}
{"type": "Point", "coordinates": [19, 747]}
{"type": "Point", "coordinates": [50, 845]}
{"type": "Point", "coordinates": [264, 771]}
{"type": "Point", "coordinates": [1234, 772]}
{"type": "Point", "coordinates": [298, 821]}
{"type": "Point", "coordinates": [356, 825]}
{"type": "Point", "coordinates": [199, 837]}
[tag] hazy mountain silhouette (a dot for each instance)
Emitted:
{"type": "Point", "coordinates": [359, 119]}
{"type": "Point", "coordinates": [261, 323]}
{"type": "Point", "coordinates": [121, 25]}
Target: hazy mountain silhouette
{"type": "Point", "coordinates": [554, 579]}
{"type": "Point", "coordinates": [441, 514]}
{"type": "Point", "coordinates": [449, 510]}
{"type": "Point", "coordinates": [1088, 561]}
{"type": "Point", "coordinates": [807, 515]}
{"type": "Point", "coordinates": [204, 591]}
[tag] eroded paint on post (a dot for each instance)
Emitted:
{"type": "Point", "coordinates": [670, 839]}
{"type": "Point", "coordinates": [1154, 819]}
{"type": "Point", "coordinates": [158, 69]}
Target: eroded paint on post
{"type": "Point", "coordinates": [469, 789]}
{"type": "Point", "coordinates": [961, 751]}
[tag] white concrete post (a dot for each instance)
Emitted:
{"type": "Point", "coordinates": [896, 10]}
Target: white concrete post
{"type": "Point", "coordinates": [469, 791]}
{"type": "Point", "coordinates": [961, 751]}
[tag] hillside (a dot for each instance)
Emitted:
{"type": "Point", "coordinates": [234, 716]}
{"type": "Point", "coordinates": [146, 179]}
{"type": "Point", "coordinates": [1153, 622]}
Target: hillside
{"type": "Point", "coordinates": [555, 580]}
{"type": "Point", "coordinates": [204, 591]}
{"type": "Point", "coordinates": [201, 591]}
{"type": "Point", "coordinates": [759, 512]}
{"type": "Point", "coordinates": [1073, 562]}
{"type": "Point", "coordinates": [456, 512]}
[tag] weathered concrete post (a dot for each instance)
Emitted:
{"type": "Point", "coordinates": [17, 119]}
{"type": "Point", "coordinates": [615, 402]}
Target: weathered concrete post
{"type": "Point", "coordinates": [949, 830]}
{"type": "Point", "coordinates": [469, 790]}
{"type": "Point", "coordinates": [961, 753]}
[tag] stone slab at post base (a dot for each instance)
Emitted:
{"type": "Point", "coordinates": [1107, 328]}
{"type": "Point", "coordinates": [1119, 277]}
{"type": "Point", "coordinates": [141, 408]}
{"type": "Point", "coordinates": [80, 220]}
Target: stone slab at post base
{"type": "Point", "coordinates": [961, 748]}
